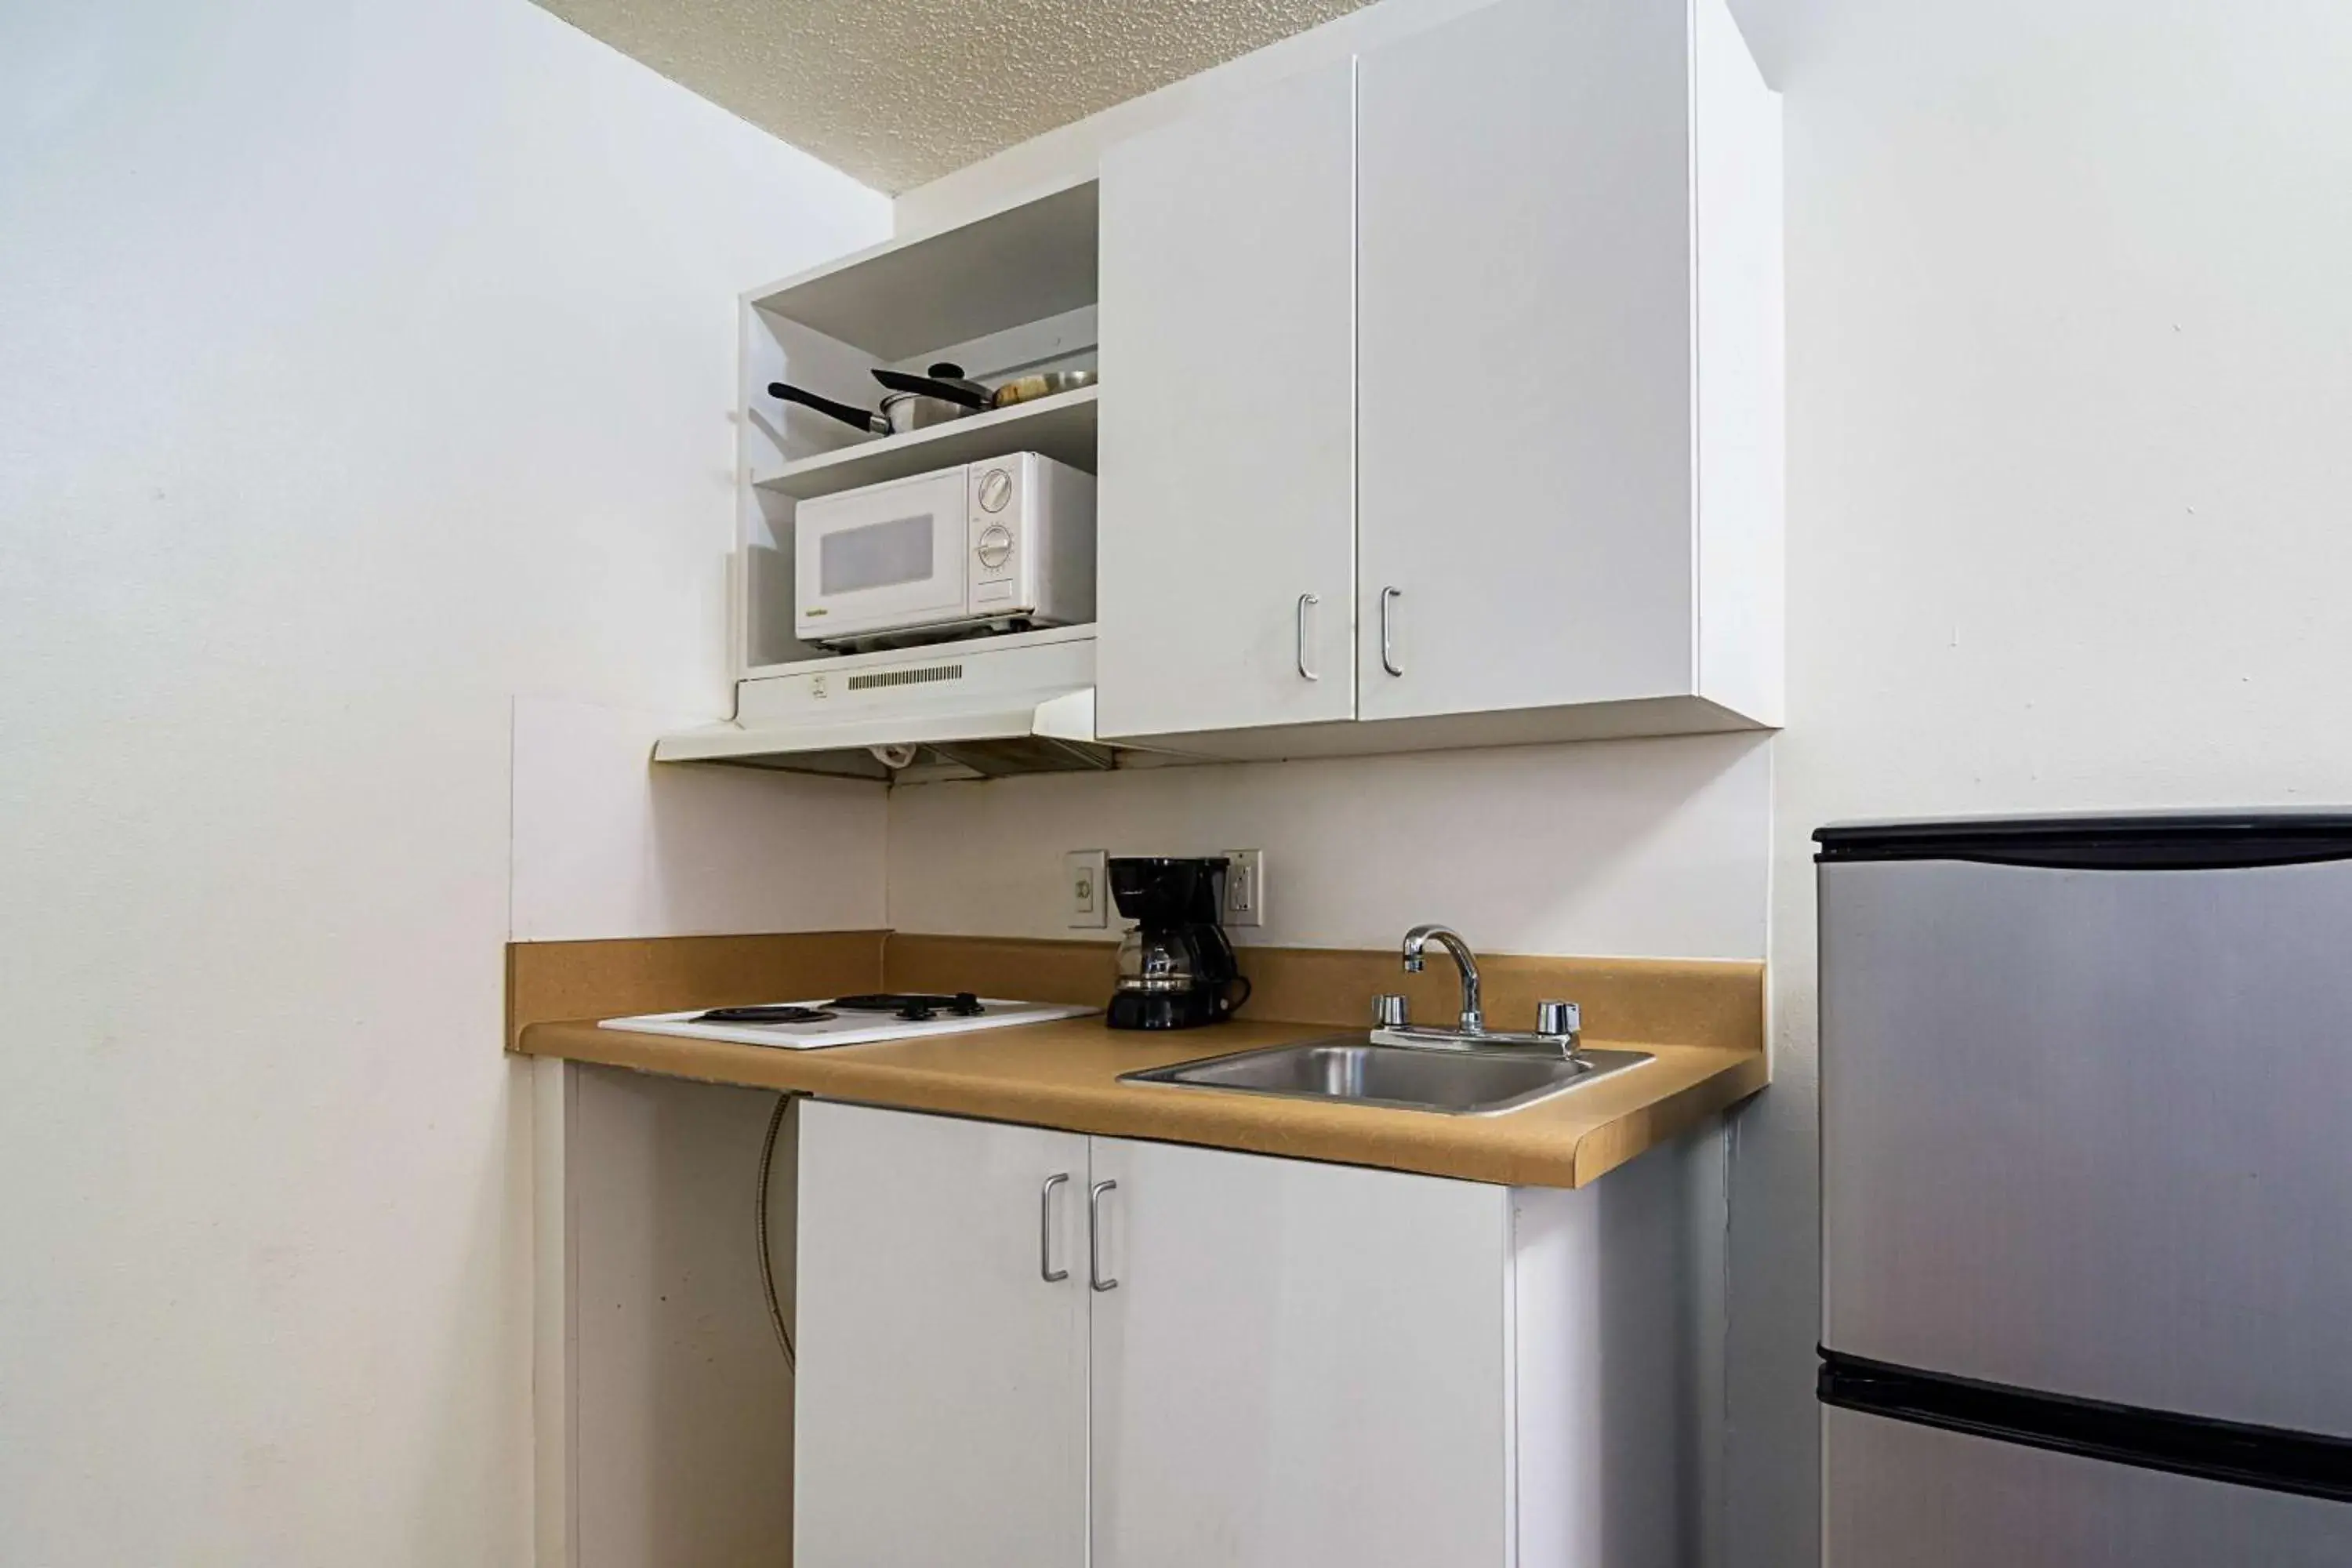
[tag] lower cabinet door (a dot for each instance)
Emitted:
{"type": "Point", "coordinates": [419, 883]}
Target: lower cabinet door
{"type": "Point", "coordinates": [940, 1408]}
{"type": "Point", "coordinates": [1297, 1363]}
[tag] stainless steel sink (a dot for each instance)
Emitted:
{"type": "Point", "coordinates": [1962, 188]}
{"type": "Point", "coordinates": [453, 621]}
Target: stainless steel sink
{"type": "Point", "coordinates": [1348, 1068]}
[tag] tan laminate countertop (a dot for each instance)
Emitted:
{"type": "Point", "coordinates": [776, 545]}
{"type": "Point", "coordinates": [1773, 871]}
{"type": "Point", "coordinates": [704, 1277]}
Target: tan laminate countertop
{"type": "Point", "coordinates": [1066, 1075]}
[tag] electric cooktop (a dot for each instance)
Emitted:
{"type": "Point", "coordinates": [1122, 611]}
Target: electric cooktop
{"type": "Point", "coordinates": [856, 1020]}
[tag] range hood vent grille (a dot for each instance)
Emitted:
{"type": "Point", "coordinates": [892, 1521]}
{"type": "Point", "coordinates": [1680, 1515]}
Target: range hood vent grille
{"type": "Point", "coordinates": [876, 680]}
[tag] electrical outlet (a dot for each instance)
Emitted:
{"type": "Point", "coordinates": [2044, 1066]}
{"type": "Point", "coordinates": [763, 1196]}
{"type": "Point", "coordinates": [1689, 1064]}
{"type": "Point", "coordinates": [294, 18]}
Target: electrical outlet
{"type": "Point", "coordinates": [1244, 887]}
{"type": "Point", "coordinates": [1086, 896]}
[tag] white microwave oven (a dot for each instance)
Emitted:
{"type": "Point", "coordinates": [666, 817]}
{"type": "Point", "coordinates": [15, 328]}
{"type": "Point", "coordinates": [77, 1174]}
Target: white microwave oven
{"type": "Point", "coordinates": [1005, 543]}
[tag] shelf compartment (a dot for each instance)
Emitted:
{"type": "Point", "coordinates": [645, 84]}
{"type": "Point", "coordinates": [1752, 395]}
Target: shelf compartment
{"type": "Point", "coordinates": [908, 297]}
{"type": "Point", "coordinates": [1061, 426]}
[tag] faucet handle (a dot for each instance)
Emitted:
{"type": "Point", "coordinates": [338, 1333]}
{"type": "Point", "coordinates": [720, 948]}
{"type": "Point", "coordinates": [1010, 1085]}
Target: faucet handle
{"type": "Point", "coordinates": [1564, 1018]}
{"type": "Point", "coordinates": [1389, 1012]}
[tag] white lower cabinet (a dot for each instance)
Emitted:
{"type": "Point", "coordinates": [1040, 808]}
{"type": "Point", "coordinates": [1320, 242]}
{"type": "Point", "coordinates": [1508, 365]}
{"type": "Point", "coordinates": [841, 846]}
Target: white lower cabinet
{"type": "Point", "coordinates": [941, 1409]}
{"type": "Point", "coordinates": [1252, 1360]}
{"type": "Point", "coordinates": [1301, 1363]}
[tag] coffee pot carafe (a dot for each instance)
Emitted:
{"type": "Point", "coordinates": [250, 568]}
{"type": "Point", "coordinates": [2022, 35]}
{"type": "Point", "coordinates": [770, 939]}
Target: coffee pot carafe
{"type": "Point", "coordinates": [1176, 967]}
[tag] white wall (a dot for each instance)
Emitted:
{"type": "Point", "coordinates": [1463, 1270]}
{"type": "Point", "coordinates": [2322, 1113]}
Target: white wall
{"type": "Point", "coordinates": [605, 845]}
{"type": "Point", "coordinates": [2069, 477]}
{"type": "Point", "coordinates": [366, 364]}
{"type": "Point", "coordinates": [1626, 848]}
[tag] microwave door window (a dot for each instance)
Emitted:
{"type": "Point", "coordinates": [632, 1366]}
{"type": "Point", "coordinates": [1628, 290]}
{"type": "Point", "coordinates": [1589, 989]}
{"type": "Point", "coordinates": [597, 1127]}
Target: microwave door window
{"type": "Point", "coordinates": [886, 559]}
{"type": "Point", "coordinates": [878, 555]}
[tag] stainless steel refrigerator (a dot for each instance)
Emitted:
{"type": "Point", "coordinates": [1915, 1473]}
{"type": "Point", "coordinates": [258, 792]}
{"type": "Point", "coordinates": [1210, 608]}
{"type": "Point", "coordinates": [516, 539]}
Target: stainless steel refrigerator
{"type": "Point", "coordinates": [2086, 1192]}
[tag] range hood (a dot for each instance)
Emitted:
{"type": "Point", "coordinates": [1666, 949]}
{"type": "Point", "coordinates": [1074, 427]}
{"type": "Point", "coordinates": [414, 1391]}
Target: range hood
{"type": "Point", "coordinates": [982, 707]}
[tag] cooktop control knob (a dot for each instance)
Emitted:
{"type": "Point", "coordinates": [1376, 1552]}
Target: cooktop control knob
{"type": "Point", "coordinates": [995, 490]}
{"type": "Point", "coordinates": [995, 546]}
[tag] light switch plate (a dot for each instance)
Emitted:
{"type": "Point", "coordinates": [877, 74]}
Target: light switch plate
{"type": "Point", "coordinates": [1086, 898]}
{"type": "Point", "coordinates": [1244, 887]}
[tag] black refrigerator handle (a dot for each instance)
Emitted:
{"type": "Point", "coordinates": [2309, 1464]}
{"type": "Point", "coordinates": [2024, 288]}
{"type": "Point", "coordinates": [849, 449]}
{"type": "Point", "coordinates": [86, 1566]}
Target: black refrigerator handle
{"type": "Point", "coordinates": [2270, 1458]}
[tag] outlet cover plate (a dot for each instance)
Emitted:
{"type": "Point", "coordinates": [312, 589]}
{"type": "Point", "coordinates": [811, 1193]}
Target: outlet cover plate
{"type": "Point", "coordinates": [1244, 887]}
{"type": "Point", "coordinates": [1086, 895]}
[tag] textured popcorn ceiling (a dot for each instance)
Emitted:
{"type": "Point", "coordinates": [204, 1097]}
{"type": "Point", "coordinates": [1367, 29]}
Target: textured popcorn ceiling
{"type": "Point", "coordinates": [897, 92]}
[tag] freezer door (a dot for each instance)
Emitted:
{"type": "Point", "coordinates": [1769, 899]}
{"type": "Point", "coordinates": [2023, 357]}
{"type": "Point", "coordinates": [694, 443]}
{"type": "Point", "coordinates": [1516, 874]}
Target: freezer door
{"type": "Point", "coordinates": [1922, 1497]}
{"type": "Point", "coordinates": [2085, 1131]}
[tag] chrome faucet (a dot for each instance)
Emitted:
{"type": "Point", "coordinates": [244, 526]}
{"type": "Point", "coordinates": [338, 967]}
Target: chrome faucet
{"type": "Point", "coordinates": [1474, 1018]}
{"type": "Point", "coordinates": [1559, 1026]}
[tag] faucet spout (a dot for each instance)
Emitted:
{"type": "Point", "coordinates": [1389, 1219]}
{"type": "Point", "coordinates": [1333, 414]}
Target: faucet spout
{"type": "Point", "coordinates": [1474, 1018]}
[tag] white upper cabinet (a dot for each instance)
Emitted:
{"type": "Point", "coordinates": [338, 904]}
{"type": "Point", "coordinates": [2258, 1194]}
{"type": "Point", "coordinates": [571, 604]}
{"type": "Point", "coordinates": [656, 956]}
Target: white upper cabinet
{"type": "Point", "coordinates": [1552, 323]}
{"type": "Point", "coordinates": [1525, 334]}
{"type": "Point", "coordinates": [1225, 507]}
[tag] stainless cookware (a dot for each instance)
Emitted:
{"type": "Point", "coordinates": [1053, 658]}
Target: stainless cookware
{"type": "Point", "coordinates": [1044, 384]}
{"type": "Point", "coordinates": [900, 411]}
{"type": "Point", "coordinates": [945, 381]}
{"type": "Point", "coordinates": [910, 402]}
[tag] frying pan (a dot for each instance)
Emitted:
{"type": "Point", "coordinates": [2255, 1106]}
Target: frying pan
{"type": "Point", "coordinates": [910, 403]}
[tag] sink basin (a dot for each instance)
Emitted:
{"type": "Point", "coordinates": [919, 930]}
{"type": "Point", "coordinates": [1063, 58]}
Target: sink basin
{"type": "Point", "coordinates": [1350, 1069]}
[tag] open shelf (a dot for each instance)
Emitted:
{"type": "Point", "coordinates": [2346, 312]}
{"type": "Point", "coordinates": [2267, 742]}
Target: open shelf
{"type": "Point", "coordinates": [1061, 426]}
{"type": "Point", "coordinates": [908, 297]}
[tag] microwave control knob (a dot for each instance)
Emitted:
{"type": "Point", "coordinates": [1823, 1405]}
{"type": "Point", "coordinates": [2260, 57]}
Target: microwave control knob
{"type": "Point", "coordinates": [995, 490]}
{"type": "Point", "coordinates": [995, 546]}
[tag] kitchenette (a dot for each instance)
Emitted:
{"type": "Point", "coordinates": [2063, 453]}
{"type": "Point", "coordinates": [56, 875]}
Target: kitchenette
{"type": "Point", "coordinates": [1126, 1218]}
{"type": "Point", "coordinates": [1391, 784]}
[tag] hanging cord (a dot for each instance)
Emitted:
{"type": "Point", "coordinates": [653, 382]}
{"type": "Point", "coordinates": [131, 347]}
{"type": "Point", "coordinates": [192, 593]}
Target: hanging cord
{"type": "Point", "coordinates": [767, 1264]}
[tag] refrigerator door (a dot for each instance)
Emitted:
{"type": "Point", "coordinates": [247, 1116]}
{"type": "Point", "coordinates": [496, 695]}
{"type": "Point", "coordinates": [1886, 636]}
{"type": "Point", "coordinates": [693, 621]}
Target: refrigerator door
{"type": "Point", "coordinates": [2086, 1130]}
{"type": "Point", "coordinates": [1923, 1497]}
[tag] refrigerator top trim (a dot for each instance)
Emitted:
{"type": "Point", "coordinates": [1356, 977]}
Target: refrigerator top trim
{"type": "Point", "coordinates": [2127, 841]}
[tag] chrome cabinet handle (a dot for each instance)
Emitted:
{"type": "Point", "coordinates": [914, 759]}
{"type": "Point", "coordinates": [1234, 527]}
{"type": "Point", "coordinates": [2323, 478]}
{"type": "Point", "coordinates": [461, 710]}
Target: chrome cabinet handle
{"type": "Point", "coordinates": [1304, 601]}
{"type": "Point", "coordinates": [1389, 596]}
{"type": "Point", "coordinates": [1045, 1270]}
{"type": "Point", "coordinates": [1094, 1238]}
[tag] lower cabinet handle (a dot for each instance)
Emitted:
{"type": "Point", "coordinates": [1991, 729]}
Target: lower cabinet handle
{"type": "Point", "coordinates": [1300, 635]}
{"type": "Point", "coordinates": [1045, 1270]}
{"type": "Point", "coordinates": [1094, 1238]}
{"type": "Point", "coordinates": [1389, 596]}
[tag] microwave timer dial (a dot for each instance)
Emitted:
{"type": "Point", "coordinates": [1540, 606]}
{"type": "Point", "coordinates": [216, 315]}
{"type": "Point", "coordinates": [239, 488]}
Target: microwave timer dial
{"type": "Point", "coordinates": [995, 545]}
{"type": "Point", "coordinates": [995, 490]}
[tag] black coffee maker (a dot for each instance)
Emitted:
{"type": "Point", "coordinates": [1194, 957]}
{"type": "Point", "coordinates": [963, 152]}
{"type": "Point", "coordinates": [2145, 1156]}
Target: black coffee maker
{"type": "Point", "coordinates": [1176, 969]}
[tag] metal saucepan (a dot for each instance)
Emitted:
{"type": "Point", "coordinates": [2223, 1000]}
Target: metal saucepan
{"type": "Point", "coordinates": [900, 412]}
{"type": "Point", "coordinates": [911, 403]}
{"type": "Point", "coordinates": [945, 381]}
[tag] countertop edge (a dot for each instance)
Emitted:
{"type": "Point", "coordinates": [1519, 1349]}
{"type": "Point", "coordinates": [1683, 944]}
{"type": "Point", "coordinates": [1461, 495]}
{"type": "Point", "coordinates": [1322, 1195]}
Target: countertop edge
{"type": "Point", "coordinates": [1491, 1149]}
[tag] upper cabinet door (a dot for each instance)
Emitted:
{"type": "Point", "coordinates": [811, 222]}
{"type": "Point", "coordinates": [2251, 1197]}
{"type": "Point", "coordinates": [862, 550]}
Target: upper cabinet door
{"type": "Point", "coordinates": [1299, 1363]}
{"type": "Point", "coordinates": [942, 1397]}
{"type": "Point", "coordinates": [1525, 298]}
{"type": "Point", "coordinates": [1226, 519]}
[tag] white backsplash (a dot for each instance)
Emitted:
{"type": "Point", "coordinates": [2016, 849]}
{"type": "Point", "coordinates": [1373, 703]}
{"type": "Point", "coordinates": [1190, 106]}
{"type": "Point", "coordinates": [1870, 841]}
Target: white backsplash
{"type": "Point", "coordinates": [1634, 849]}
